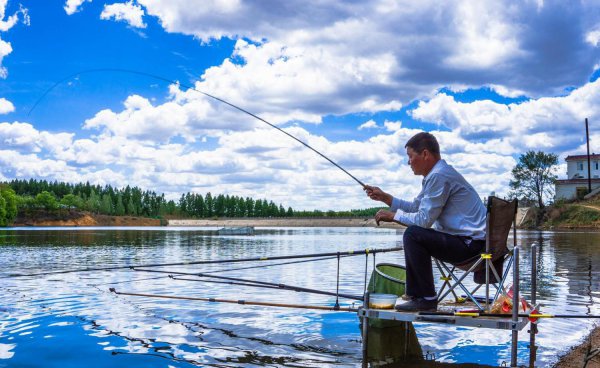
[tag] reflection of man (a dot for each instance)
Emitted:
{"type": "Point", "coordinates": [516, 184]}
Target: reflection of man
{"type": "Point", "coordinates": [447, 203]}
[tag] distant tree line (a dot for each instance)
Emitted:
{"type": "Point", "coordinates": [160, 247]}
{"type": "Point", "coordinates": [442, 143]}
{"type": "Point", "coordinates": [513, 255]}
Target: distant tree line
{"type": "Point", "coordinates": [32, 195]}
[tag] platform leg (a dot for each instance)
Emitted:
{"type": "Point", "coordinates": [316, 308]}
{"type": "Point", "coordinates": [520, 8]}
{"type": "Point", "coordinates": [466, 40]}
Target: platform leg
{"type": "Point", "coordinates": [533, 326]}
{"type": "Point", "coordinates": [365, 333]}
{"type": "Point", "coordinates": [515, 310]}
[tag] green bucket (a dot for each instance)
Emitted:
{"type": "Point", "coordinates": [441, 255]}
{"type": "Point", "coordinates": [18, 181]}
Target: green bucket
{"type": "Point", "coordinates": [387, 278]}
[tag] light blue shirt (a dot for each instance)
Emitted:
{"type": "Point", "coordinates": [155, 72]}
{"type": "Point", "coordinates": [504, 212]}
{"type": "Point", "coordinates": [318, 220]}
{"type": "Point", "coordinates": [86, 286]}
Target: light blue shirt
{"type": "Point", "coordinates": [447, 203]}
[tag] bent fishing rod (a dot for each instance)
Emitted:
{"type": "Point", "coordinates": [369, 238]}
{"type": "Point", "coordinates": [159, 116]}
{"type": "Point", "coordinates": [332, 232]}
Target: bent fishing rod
{"type": "Point", "coordinates": [350, 253]}
{"type": "Point", "coordinates": [167, 80]}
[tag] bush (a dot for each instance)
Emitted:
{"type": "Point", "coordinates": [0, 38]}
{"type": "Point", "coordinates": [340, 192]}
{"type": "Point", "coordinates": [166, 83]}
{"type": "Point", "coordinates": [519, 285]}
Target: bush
{"type": "Point", "coordinates": [47, 201]}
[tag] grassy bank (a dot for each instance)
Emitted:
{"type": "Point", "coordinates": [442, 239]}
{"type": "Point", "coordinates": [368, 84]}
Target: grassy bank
{"type": "Point", "coordinates": [583, 214]}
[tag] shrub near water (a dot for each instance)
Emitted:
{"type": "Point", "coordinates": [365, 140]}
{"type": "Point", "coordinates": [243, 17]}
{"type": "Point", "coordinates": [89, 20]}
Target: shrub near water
{"type": "Point", "coordinates": [578, 215]}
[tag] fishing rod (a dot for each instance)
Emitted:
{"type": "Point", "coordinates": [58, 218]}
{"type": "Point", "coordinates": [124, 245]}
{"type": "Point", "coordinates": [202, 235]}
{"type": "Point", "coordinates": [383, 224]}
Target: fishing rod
{"type": "Point", "coordinates": [350, 253]}
{"type": "Point", "coordinates": [150, 75]}
{"type": "Point", "coordinates": [254, 282]}
{"type": "Point", "coordinates": [526, 315]}
{"type": "Point", "coordinates": [242, 302]}
{"type": "Point", "coordinates": [269, 265]}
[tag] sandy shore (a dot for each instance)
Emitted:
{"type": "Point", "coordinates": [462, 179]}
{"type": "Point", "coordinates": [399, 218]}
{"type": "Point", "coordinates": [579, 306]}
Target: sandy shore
{"type": "Point", "coordinates": [576, 356]}
{"type": "Point", "coordinates": [284, 222]}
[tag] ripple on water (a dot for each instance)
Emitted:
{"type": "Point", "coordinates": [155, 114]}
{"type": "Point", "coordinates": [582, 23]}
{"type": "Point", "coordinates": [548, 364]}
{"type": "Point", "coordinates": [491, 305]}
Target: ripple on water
{"type": "Point", "coordinates": [77, 315]}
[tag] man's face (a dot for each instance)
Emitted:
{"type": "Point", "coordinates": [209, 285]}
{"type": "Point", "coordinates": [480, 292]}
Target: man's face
{"type": "Point", "coordinates": [416, 161]}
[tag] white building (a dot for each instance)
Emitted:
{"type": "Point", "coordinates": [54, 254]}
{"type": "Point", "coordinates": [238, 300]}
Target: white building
{"type": "Point", "coordinates": [576, 184]}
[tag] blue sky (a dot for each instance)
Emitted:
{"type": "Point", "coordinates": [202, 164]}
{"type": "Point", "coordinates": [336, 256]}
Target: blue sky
{"type": "Point", "coordinates": [355, 80]}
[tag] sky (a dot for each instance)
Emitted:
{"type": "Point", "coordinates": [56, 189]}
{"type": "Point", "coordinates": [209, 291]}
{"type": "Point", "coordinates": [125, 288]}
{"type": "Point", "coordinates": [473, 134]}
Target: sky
{"type": "Point", "coordinates": [353, 79]}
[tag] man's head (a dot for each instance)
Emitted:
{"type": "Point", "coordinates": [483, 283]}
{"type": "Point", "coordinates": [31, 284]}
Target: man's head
{"type": "Point", "coordinates": [423, 153]}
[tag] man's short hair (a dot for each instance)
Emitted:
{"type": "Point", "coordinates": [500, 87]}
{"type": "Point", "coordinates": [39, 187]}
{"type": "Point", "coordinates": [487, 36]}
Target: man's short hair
{"type": "Point", "coordinates": [423, 140]}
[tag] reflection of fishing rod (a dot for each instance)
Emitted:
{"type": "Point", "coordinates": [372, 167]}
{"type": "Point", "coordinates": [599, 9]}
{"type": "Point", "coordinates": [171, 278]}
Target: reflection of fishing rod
{"type": "Point", "coordinates": [216, 261]}
{"type": "Point", "coordinates": [194, 89]}
{"type": "Point", "coordinates": [242, 302]}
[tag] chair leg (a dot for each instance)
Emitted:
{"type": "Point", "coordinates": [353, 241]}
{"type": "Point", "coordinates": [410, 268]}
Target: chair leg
{"type": "Point", "coordinates": [446, 278]}
{"type": "Point", "coordinates": [458, 282]}
{"type": "Point", "coordinates": [500, 288]}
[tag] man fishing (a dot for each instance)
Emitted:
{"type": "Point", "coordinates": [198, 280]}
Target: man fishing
{"type": "Point", "coordinates": [446, 220]}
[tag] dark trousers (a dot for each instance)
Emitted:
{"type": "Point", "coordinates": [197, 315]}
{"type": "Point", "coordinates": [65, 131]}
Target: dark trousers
{"type": "Point", "coordinates": [420, 244]}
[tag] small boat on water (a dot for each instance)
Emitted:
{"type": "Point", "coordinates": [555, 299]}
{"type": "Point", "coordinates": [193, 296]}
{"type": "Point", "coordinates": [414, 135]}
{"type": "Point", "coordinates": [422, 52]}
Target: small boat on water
{"type": "Point", "coordinates": [240, 230]}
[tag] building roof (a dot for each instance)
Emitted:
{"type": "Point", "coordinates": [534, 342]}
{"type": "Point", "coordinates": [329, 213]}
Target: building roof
{"type": "Point", "coordinates": [576, 181]}
{"type": "Point", "coordinates": [593, 156]}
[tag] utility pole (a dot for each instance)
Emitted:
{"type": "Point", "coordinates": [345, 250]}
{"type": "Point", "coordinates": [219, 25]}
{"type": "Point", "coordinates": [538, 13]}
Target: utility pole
{"type": "Point", "coordinates": [587, 137]}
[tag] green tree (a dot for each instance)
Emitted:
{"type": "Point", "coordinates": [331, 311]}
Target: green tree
{"type": "Point", "coordinates": [106, 206]}
{"type": "Point", "coordinates": [120, 207]}
{"type": "Point", "coordinates": [3, 220]}
{"type": "Point", "coordinates": [209, 204]}
{"type": "Point", "coordinates": [46, 200]}
{"type": "Point", "coordinates": [93, 201]}
{"type": "Point", "coordinates": [534, 176]}
{"type": "Point", "coordinates": [10, 199]}
{"type": "Point", "coordinates": [71, 201]}
{"type": "Point", "coordinates": [131, 208]}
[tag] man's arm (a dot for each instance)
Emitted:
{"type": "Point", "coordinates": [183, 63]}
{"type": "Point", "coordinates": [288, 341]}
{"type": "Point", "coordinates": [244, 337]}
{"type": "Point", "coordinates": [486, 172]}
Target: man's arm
{"type": "Point", "coordinates": [395, 204]}
{"type": "Point", "coordinates": [433, 198]}
{"type": "Point", "coordinates": [386, 216]}
{"type": "Point", "coordinates": [376, 194]}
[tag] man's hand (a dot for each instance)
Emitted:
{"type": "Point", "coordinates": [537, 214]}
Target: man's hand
{"type": "Point", "coordinates": [384, 215]}
{"type": "Point", "coordinates": [376, 194]}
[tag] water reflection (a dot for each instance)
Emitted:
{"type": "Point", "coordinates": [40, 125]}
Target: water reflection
{"type": "Point", "coordinates": [393, 345]}
{"type": "Point", "coordinates": [39, 315]}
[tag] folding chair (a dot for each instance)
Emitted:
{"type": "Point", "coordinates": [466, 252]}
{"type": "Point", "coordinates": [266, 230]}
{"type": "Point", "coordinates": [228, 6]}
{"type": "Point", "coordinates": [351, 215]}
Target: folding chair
{"type": "Point", "coordinates": [486, 267]}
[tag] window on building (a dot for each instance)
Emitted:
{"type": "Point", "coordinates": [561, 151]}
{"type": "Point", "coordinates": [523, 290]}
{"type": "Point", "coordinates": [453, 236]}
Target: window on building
{"type": "Point", "coordinates": [595, 165]}
{"type": "Point", "coordinates": [580, 165]}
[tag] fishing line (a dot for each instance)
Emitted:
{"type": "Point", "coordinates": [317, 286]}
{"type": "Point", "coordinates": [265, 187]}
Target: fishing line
{"type": "Point", "coordinates": [154, 76]}
{"type": "Point", "coordinates": [218, 261]}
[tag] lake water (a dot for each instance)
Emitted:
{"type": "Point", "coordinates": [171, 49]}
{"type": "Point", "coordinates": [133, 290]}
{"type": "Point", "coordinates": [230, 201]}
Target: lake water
{"type": "Point", "coordinates": [72, 320]}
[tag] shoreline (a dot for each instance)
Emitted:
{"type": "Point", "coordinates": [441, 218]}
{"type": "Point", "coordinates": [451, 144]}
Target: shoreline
{"type": "Point", "coordinates": [282, 222]}
{"type": "Point", "coordinates": [574, 357]}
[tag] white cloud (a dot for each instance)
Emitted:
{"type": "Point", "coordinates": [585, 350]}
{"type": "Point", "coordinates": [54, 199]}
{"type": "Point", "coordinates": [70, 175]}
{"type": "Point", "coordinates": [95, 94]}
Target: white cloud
{"type": "Point", "coordinates": [549, 124]}
{"type": "Point", "coordinates": [323, 61]}
{"type": "Point", "coordinates": [126, 12]}
{"type": "Point", "coordinates": [73, 6]}
{"type": "Point", "coordinates": [392, 126]}
{"type": "Point", "coordinates": [6, 106]}
{"type": "Point", "coordinates": [368, 124]}
{"type": "Point", "coordinates": [25, 138]}
{"type": "Point", "coordinates": [5, 25]}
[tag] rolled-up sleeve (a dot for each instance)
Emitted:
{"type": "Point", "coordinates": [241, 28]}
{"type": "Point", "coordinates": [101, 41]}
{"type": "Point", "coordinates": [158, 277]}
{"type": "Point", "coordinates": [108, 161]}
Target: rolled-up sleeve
{"type": "Point", "coordinates": [429, 204]}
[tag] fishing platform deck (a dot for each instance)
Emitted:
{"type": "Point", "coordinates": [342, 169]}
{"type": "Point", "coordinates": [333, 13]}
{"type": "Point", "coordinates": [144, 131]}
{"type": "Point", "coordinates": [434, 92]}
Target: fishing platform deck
{"type": "Point", "coordinates": [499, 323]}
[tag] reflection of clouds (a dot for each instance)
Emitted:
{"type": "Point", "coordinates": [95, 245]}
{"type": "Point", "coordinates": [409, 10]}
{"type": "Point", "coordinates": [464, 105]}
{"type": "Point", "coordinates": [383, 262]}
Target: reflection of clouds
{"type": "Point", "coordinates": [209, 332]}
{"type": "Point", "coordinates": [5, 351]}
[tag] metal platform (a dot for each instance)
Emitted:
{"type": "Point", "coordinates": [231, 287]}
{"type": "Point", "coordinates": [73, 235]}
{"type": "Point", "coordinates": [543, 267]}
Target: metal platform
{"type": "Point", "coordinates": [499, 323]}
{"type": "Point", "coordinates": [511, 322]}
